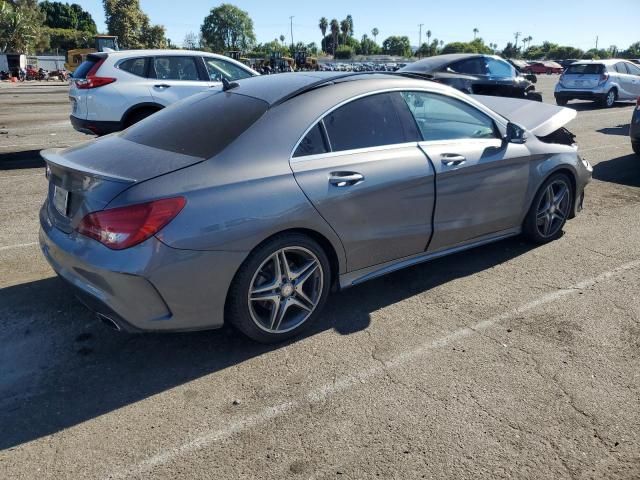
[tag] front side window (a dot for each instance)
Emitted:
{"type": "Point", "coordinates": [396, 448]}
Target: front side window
{"type": "Point", "coordinates": [499, 68]}
{"type": "Point", "coordinates": [176, 68]}
{"type": "Point", "coordinates": [367, 122]}
{"type": "Point", "coordinates": [633, 69]}
{"type": "Point", "coordinates": [135, 66]}
{"type": "Point", "coordinates": [443, 118]}
{"type": "Point", "coordinates": [219, 69]}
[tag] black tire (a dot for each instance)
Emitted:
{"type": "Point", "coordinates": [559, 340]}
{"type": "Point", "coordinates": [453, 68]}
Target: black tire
{"type": "Point", "coordinates": [561, 101]}
{"type": "Point", "coordinates": [636, 147]}
{"type": "Point", "coordinates": [609, 100]}
{"type": "Point", "coordinates": [238, 312]}
{"type": "Point", "coordinates": [531, 228]}
{"type": "Point", "coordinates": [534, 96]}
{"type": "Point", "coordinates": [138, 115]}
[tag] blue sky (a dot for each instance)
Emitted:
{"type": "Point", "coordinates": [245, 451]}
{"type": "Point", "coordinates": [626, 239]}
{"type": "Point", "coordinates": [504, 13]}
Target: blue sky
{"type": "Point", "coordinates": [575, 23]}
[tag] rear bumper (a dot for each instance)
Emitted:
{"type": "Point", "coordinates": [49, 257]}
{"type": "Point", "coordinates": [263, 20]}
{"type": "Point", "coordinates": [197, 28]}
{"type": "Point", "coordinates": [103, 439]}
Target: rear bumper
{"type": "Point", "coordinates": [149, 287]}
{"type": "Point", "coordinates": [634, 128]}
{"type": "Point", "coordinates": [579, 95]}
{"type": "Point", "coordinates": [93, 127]}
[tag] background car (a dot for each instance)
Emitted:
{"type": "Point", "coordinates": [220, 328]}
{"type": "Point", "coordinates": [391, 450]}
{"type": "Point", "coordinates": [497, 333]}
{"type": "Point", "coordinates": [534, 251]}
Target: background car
{"type": "Point", "coordinates": [603, 81]}
{"type": "Point", "coordinates": [634, 130]}
{"type": "Point", "coordinates": [475, 73]}
{"type": "Point", "coordinates": [370, 173]}
{"type": "Point", "coordinates": [112, 91]}
{"type": "Point", "coordinates": [543, 67]}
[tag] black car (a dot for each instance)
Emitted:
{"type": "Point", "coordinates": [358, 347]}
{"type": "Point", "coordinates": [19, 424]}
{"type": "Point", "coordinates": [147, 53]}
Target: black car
{"type": "Point", "coordinates": [476, 73]}
{"type": "Point", "coordinates": [634, 130]}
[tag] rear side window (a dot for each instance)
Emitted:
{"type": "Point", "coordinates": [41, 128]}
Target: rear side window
{"type": "Point", "coordinates": [313, 143]}
{"type": "Point", "coordinates": [135, 66]}
{"type": "Point", "coordinates": [201, 126]}
{"type": "Point", "coordinates": [176, 68]}
{"type": "Point", "coordinates": [371, 121]}
{"type": "Point", "coordinates": [85, 67]}
{"type": "Point", "coordinates": [585, 69]}
{"type": "Point", "coordinates": [620, 68]}
{"type": "Point", "coordinates": [471, 66]}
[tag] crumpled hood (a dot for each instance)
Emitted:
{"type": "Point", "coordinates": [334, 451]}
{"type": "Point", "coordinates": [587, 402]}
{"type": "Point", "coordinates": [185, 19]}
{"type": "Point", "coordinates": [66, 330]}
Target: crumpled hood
{"type": "Point", "coordinates": [539, 118]}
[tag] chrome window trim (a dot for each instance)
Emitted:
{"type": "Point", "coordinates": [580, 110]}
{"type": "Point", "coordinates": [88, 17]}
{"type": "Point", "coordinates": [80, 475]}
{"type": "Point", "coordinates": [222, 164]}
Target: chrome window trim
{"type": "Point", "coordinates": [456, 95]}
{"type": "Point", "coordinates": [355, 151]}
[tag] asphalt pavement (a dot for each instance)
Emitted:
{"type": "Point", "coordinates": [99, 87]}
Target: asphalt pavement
{"type": "Point", "coordinates": [507, 361]}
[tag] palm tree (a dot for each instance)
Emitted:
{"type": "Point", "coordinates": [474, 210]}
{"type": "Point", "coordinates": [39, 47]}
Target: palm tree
{"type": "Point", "coordinates": [323, 25]}
{"type": "Point", "coordinates": [282, 38]}
{"type": "Point", "coordinates": [475, 32]}
{"type": "Point", "coordinates": [335, 31]}
{"type": "Point", "coordinates": [375, 33]}
{"type": "Point", "coordinates": [350, 20]}
{"type": "Point", "coordinates": [344, 28]}
{"type": "Point", "coordinates": [429, 41]}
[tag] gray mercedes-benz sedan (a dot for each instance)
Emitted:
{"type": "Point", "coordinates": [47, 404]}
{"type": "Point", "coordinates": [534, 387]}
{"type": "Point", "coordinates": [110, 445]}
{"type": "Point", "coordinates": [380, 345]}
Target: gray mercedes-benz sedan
{"type": "Point", "coordinates": [248, 205]}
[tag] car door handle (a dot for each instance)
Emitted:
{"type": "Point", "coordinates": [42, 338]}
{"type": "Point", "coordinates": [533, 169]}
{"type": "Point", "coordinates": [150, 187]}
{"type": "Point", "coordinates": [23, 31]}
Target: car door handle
{"type": "Point", "coordinates": [345, 179]}
{"type": "Point", "coordinates": [162, 85]}
{"type": "Point", "coordinates": [452, 159]}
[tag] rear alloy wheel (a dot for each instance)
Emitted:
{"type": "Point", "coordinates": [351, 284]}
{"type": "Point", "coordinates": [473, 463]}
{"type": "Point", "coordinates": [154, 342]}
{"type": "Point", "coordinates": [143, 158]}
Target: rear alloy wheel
{"type": "Point", "coordinates": [550, 209]}
{"type": "Point", "coordinates": [610, 98]}
{"type": "Point", "coordinates": [280, 289]}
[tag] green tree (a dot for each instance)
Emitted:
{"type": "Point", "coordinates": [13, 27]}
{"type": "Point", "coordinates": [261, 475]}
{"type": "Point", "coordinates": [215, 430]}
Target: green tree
{"type": "Point", "coordinates": [375, 32]}
{"type": "Point", "coordinates": [368, 46]}
{"type": "Point", "coordinates": [396, 45]}
{"type": "Point", "coordinates": [21, 27]}
{"type": "Point", "coordinates": [282, 38]}
{"type": "Point", "coordinates": [323, 25]}
{"type": "Point", "coordinates": [63, 15]}
{"type": "Point", "coordinates": [126, 19]}
{"type": "Point", "coordinates": [344, 28]}
{"type": "Point", "coordinates": [190, 41]}
{"type": "Point", "coordinates": [344, 52]}
{"type": "Point", "coordinates": [349, 20]}
{"type": "Point", "coordinates": [335, 33]}
{"type": "Point", "coordinates": [511, 51]}
{"type": "Point", "coordinates": [475, 32]}
{"type": "Point", "coordinates": [228, 28]}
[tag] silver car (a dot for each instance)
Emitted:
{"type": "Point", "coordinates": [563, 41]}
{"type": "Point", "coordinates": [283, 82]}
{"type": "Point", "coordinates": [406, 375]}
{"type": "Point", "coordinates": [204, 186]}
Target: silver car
{"type": "Point", "coordinates": [603, 81]}
{"type": "Point", "coordinates": [312, 181]}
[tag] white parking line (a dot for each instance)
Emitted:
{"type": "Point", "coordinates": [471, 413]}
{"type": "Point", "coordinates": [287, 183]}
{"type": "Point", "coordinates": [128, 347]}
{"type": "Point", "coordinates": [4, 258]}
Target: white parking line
{"type": "Point", "coordinates": [19, 245]}
{"type": "Point", "coordinates": [349, 381]}
{"type": "Point", "coordinates": [611, 145]}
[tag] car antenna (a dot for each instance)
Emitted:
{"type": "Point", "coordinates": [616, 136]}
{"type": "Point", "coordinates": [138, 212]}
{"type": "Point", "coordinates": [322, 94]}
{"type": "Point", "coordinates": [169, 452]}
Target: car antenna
{"type": "Point", "coordinates": [227, 85]}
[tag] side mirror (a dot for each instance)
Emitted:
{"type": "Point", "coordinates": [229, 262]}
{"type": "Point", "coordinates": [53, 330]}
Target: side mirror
{"type": "Point", "coordinates": [515, 134]}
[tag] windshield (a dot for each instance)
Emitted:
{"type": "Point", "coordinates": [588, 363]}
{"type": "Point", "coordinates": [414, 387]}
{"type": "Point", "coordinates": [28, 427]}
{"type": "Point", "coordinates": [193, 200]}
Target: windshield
{"type": "Point", "coordinates": [585, 69]}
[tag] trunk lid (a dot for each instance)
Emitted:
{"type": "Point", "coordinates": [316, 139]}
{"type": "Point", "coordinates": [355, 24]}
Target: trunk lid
{"type": "Point", "coordinates": [539, 118]}
{"type": "Point", "coordinates": [86, 178]}
{"type": "Point", "coordinates": [582, 76]}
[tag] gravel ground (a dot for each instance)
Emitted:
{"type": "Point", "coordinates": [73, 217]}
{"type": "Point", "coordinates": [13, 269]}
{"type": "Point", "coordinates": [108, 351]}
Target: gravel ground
{"type": "Point", "coordinates": [508, 361]}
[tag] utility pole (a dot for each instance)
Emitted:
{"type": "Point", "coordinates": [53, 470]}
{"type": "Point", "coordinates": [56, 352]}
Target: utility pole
{"type": "Point", "coordinates": [597, 38]}
{"type": "Point", "coordinates": [517, 35]}
{"type": "Point", "coordinates": [420, 37]}
{"type": "Point", "coordinates": [292, 44]}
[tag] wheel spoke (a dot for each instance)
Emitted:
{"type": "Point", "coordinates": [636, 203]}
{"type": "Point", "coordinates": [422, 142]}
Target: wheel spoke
{"type": "Point", "coordinates": [278, 313]}
{"type": "Point", "coordinates": [547, 225]}
{"type": "Point", "coordinates": [269, 296]}
{"type": "Point", "coordinates": [284, 264]}
{"type": "Point", "coordinates": [302, 296]}
{"type": "Point", "coordinates": [303, 274]}
{"type": "Point", "coordinates": [295, 301]}
{"type": "Point", "coordinates": [550, 196]}
{"type": "Point", "coordinates": [559, 198]}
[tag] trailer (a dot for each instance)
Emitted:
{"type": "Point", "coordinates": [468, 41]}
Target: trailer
{"type": "Point", "coordinates": [12, 63]}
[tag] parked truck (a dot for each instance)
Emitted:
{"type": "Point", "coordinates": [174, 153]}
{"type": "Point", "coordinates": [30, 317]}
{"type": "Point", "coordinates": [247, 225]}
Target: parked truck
{"type": "Point", "coordinates": [12, 63]}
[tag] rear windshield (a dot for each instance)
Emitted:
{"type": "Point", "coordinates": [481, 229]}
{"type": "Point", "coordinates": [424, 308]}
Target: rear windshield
{"type": "Point", "coordinates": [201, 126]}
{"type": "Point", "coordinates": [84, 67]}
{"type": "Point", "coordinates": [585, 69]}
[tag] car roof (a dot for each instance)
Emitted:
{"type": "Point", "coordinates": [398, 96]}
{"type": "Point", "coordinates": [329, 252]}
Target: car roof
{"type": "Point", "coordinates": [276, 89]}
{"type": "Point", "coordinates": [435, 63]}
{"type": "Point", "coordinates": [164, 52]}
{"type": "Point", "coordinates": [608, 61]}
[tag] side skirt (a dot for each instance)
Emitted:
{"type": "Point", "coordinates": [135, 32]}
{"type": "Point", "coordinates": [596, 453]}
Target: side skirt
{"type": "Point", "coordinates": [357, 277]}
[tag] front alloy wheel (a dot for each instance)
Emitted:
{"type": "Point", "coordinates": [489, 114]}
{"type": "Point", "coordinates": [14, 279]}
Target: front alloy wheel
{"type": "Point", "coordinates": [550, 209]}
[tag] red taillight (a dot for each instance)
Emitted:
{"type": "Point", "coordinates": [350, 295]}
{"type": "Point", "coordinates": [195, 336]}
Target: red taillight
{"type": "Point", "coordinates": [603, 78]}
{"type": "Point", "coordinates": [124, 227]}
{"type": "Point", "coordinates": [92, 81]}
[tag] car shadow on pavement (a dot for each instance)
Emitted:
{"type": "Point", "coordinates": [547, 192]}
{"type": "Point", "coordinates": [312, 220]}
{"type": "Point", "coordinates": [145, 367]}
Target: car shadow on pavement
{"type": "Point", "coordinates": [622, 130]}
{"type": "Point", "coordinates": [60, 367]}
{"type": "Point", "coordinates": [18, 160]}
{"type": "Point", "coordinates": [622, 170]}
{"type": "Point", "coordinates": [586, 106]}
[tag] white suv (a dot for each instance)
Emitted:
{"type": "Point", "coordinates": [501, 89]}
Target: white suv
{"type": "Point", "coordinates": [113, 90]}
